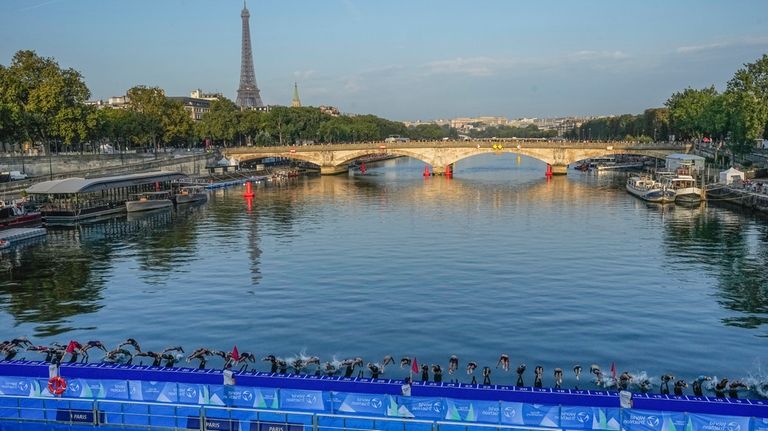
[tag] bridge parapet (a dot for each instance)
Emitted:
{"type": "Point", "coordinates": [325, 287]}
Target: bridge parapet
{"type": "Point", "coordinates": [333, 158]}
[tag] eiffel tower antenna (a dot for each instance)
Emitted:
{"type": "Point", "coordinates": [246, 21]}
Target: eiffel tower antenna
{"type": "Point", "coordinates": [248, 93]}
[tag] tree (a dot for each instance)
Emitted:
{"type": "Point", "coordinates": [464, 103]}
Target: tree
{"type": "Point", "coordinates": [45, 102]}
{"type": "Point", "coordinates": [748, 99]}
{"type": "Point", "coordinates": [686, 111]}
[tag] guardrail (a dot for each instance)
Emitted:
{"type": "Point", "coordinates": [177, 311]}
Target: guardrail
{"type": "Point", "coordinates": [18, 413]}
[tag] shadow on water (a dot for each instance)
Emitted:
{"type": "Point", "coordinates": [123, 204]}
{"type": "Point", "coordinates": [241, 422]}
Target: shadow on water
{"type": "Point", "coordinates": [727, 245]}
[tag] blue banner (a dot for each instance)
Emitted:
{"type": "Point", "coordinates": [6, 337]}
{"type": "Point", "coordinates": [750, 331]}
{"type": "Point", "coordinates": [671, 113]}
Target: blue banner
{"type": "Point", "coordinates": [86, 388]}
{"type": "Point", "coordinates": [472, 411]}
{"type": "Point", "coordinates": [701, 422]}
{"type": "Point", "coordinates": [596, 418]}
{"type": "Point", "coordinates": [243, 396]}
{"type": "Point", "coordinates": [74, 415]}
{"type": "Point", "coordinates": [162, 392]}
{"type": "Point", "coordinates": [541, 415]}
{"type": "Point", "coordinates": [19, 386]}
{"type": "Point", "coordinates": [646, 420]}
{"type": "Point", "coordinates": [297, 399]}
{"type": "Point", "coordinates": [276, 426]}
{"type": "Point", "coordinates": [192, 393]}
{"type": "Point", "coordinates": [193, 422]}
{"type": "Point", "coordinates": [511, 413]}
{"type": "Point", "coordinates": [420, 408]}
{"type": "Point", "coordinates": [369, 404]}
{"type": "Point", "coordinates": [760, 424]}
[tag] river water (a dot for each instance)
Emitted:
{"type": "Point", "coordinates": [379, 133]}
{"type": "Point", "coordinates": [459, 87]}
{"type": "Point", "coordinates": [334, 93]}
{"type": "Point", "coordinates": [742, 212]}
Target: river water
{"type": "Point", "coordinates": [496, 260]}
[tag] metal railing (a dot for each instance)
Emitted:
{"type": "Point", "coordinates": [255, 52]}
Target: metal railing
{"type": "Point", "coordinates": [168, 416]}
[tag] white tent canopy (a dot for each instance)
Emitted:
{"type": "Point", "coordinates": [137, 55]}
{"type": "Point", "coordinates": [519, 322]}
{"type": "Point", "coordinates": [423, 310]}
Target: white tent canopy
{"type": "Point", "coordinates": [731, 175]}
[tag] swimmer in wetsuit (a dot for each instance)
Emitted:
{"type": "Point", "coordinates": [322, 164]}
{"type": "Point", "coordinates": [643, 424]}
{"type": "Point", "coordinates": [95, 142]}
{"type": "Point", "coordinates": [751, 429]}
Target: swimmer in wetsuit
{"type": "Point", "coordinates": [486, 375]}
{"type": "Point", "coordinates": [558, 377]}
{"type": "Point", "coordinates": [471, 366]}
{"type": "Point", "coordinates": [665, 379]}
{"type": "Point", "coordinates": [538, 372]}
{"type": "Point", "coordinates": [520, 371]}
{"type": "Point", "coordinates": [624, 380]}
{"type": "Point", "coordinates": [424, 373]}
{"type": "Point", "coordinates": [504, 362]}
{"type": "Point", "coordinates": [577, 372]}
{"type": "Point", "coordinates": [679, 386]}
{"type": "Point", "coordinates": [453, 364]}
{"type": "Point", "coordinates": [438, 373]}
{"type": "Point", "coordinates": [696, 385]}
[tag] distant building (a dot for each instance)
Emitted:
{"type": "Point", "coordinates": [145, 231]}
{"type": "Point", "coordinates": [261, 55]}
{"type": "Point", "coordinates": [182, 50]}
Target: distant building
{"type": "Point", "coordinates": [194, 106]}
{"type": "Point", "coordinates": [198, 94]}
{"type": "Point", "coordinates": [295, 102]}
{"type": "Point", "coordinates": [330, 110]}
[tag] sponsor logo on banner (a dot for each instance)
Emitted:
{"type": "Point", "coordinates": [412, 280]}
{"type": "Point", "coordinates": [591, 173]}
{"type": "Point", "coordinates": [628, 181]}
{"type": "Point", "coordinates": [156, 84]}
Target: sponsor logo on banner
{"type": "Point", "coordinates": [703, 422]}
{"type": "Point", "coordinates": [301, 400]}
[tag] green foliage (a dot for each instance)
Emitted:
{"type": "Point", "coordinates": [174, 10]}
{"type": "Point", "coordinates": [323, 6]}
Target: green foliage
{"type": "Point", "coordinates": [530, 131]}
{"type": "Point", "coordinates": [687, 111]}
{"type": "Point", "coordinates": [652, 123]}
{"type": "Point", "coordinates": [42, 102]}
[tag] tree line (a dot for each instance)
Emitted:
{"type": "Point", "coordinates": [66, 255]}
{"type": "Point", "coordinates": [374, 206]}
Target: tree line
{"type": "Point", "coordinates": [737, 116]}
{"type": "Point", "coordinates": [42, 103]}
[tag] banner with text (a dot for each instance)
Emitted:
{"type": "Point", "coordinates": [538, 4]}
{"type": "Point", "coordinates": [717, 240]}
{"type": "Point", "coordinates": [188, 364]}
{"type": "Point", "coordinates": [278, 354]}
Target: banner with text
{"type": "Point", "coordinates": [595, 418]}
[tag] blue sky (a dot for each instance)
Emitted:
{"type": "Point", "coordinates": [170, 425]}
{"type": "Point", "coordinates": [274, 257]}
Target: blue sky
{"type": "Point", "coordinates": [403, 59]}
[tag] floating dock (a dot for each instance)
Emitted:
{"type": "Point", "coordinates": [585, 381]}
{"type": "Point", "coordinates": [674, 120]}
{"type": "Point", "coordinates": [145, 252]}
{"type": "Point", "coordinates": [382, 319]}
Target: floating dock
{"type": "Point", "coordinates": [107, 396]}
{"type": "Point", "coordinates": [19, 234]}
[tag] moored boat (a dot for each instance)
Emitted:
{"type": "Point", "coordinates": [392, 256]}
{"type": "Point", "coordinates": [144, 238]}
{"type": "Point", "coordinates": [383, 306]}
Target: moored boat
{"type": "Point", "coordinates": [648, 189]}
{"type": "Point", "coordinates": [685, 189]}
{"type": "Point", "coordinates": [149, 201]}
{"type": "Point", "coordinates": [190, 194]}
{"type": "Point", "coordinates": [18, 214]}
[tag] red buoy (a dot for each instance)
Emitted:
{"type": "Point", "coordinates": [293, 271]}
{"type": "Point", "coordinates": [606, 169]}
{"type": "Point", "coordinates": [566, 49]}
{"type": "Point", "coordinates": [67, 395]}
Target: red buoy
{"type": "Point", "coordinates": [448, 171]}
{"type": "Point", "coordinates": [548, 174]}
{"type": "Point", "coordinates": [362, 168]}
{"type": "Point", "coordinates": [426, 171]}
{"type": "Point", "coordinates": [248, 190]}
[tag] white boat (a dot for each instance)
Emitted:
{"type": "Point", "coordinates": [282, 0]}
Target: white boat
{"type": "Point", "coordinates": [649, 190]}
{"type": "Point", "coordinates": [190, 194]}
{"type": "Point", "coordinates": [149, 201]}
{"type": "Point", "coordinates": [684, 187]}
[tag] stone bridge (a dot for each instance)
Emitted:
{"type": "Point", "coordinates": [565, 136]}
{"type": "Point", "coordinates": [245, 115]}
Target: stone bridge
{"type": "Point", "coordinates": [334, 158]}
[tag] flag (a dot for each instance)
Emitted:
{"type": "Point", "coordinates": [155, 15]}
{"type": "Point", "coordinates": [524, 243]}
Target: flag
{"type": "Point", "coordinates": [235, 354]}
{"type": "Point", "coordinates": [613, 370]}
{"type": "Point", "coordinates": [414, 365]}
{"type": "Point", "coordinates": [71, 346]}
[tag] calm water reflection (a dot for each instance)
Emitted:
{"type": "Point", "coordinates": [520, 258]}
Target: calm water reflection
{"type": "Point", "coordinates": [560, 272]}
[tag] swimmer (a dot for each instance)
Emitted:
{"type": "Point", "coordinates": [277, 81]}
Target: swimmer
{"type": "Point", "coordinates": [387, 360]}
{"type": "Point", "coordinates": [665, 379]}
{"type": "Point", "coordinates": [471, 366]}
{"type": "Point", "coordinates": [696, 385]}
{"type": "Point", "coordinates": [282, 366]}
{"type": "Point", "coordinates": [49, 352]}
{"type": "Point", "coordinates": [577, 372]}
{"type": "Point", "coordinates": [92, 344]}
{"type": "Point", "coordinates": [375, 370]}
{"type": "Point", "coordinates": [486, 375]}
{"type": "Point", "coordinates": [645, 386]}
{"type": "Point", "coordinates": [733, 389]}
{"type": "Point", "coordinates": [130, 342]}
{"type": "Point", "coordinates": [679, 385]}
{"type": "Point", "coordinates": [520, 371]}
{"type": "Point", "coordinates": [504, 361]}
{"type": "Point", "coordinates": [74, 349]}
{"type": "Point", "coordinates": [350, 365]}
{"type": "Point", "coordinates": [200, 354]}
{"type": "Point", "coordinates": [453, 364]}
{"type": "Point", "coordinates": [298, 365]}
{"type": "Point", "coordinates": [405, 361]}
{"type": "Point", "coordinates": [538, 372]}
{"type": "Point", "coordinates": [330, 369]}
{"type": "Point", "coordinates": [11, 348]}
{"type": "Point", "coordinates": [438, 372]}
{"type": "Point", "coordinates": [119, 356]}
{"type": "Point", "coordinates": [157, 358]}
{"type": "Point", "coordinates": [272, 360]}
{"type": "Point", "coordinates": [243, 358]}
{"type": "Point", "coordinates": [624, 380]}
{"type": "Point", "coordinates": [424, 373]}
{"type": "Point", "coordinates": [173, 349]}
{"type": "Point", "coordinates": [720, 388]}
{"type": "Point", "coordinates": [558, 377]}
{"type": "Point", "coordinates": [598, 373]}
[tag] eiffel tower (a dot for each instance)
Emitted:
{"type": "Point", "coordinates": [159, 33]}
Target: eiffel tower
{"type": "Point", "coordinates": [248, 93]}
